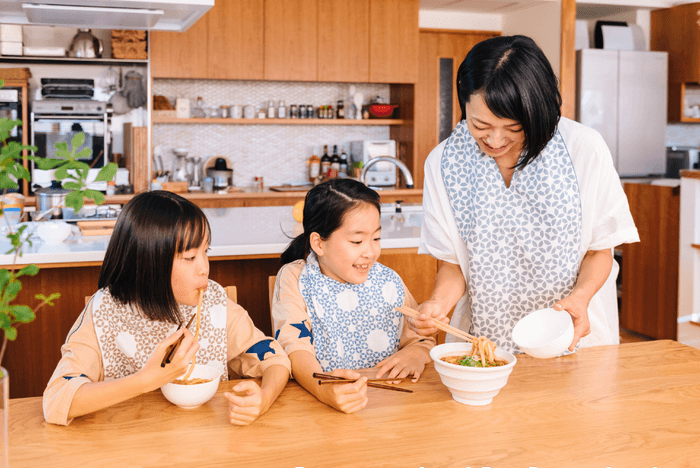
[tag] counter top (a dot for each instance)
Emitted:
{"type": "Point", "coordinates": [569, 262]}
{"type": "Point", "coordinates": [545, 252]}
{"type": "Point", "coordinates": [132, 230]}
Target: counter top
{"type": "Point", "coordinates": [691, 173]}
{"type": "Point", "coordinates": [242, 231]}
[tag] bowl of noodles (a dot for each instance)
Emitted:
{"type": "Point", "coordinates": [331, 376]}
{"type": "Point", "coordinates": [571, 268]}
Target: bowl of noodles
{"type": "Point", "coordinates": [472, 379]}
{"type": "Point", "coordinates": [196, 390]}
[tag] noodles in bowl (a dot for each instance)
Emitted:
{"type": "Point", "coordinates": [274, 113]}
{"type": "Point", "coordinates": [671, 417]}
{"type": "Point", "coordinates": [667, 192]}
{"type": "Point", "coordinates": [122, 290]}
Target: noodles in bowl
{"type": "Point", "coordinates": [196, 390]}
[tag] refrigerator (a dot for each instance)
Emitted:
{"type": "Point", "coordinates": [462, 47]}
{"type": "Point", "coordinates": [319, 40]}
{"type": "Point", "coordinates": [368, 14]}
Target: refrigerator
{"type": "Point", "coordinates": [622, 94]}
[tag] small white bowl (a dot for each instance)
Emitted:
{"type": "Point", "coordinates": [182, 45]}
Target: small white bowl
{"type": "Point", "coordinates": [193, 396]}
{"type": "Point", "coordinates": [475, 386]}
{"type": "Point", "coordinates": [545, 333]}
{"type": "Point", "coordinates": [53, 232]}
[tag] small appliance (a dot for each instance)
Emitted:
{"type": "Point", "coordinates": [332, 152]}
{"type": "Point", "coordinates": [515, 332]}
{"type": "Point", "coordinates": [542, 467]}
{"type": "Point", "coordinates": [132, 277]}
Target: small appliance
{"type": "Point", "coordinates": [679, 158]}
{"type": "Point", "coordinates": [382, 174]}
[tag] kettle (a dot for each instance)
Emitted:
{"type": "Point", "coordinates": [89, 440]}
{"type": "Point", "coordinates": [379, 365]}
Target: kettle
{"type": "Point", "coordinates": [85, 45]}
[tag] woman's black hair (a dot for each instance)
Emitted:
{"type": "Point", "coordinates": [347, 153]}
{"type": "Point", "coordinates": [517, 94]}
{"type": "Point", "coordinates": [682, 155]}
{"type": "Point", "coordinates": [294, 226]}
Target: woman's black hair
{"type": "Point", "coordinates": [516, 81]}
{"type": "Point", "coordinates": [325, 207]}
{"type": "Point", "coordinates": [151, 230]}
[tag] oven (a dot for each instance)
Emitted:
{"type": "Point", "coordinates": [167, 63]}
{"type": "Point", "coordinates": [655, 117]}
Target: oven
{"type": "Point", "coordinates": [58, 121]}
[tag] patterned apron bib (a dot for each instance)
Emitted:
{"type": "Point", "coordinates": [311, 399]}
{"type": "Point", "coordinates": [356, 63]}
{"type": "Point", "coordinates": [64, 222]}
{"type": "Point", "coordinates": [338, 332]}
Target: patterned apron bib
{"type": "Point", "coordinates": [523, 240]}
{"type": "Point", "coordinates": [354, 326]}
{"type": "Point", "coordinates": [127, 338]}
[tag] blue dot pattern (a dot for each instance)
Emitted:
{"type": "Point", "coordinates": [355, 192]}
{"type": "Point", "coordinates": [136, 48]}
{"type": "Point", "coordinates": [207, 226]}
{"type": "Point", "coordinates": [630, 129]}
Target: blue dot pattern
{"type": "Point", "coordinates": [357, 337]}
{"type": "Point", "coordinates": [523, 240]}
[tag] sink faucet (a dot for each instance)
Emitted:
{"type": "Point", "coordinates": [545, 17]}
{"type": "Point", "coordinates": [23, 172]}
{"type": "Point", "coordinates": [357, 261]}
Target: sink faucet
{"type": "Point", "coordinates": [404, 170]}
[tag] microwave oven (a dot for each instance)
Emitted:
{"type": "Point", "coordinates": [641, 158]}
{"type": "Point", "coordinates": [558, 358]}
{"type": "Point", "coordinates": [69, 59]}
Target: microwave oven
{"type": "Point", "coordinates": [381, 174]}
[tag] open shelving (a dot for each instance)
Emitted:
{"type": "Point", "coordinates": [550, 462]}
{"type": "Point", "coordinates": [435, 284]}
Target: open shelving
{"type": "Point", "coordinates": [174, 120]}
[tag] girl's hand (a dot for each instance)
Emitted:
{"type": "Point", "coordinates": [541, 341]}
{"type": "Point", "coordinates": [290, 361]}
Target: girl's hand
{"type": "Point", "coordinates": [156, 376]}
{"type": "Point", "coordinates": [348, 398]}
{"type": "Point", "coordinates": [577, 306]}
{"type": "Point", "coordinates": [408, 361]}
{"type": "Point", "coordinates": [423, 324]}
{"type": "Point", "coordinates": [246, 404]}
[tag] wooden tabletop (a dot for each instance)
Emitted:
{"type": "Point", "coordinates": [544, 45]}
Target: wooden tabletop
{"type": "Point", "coordinates": [633, 405]}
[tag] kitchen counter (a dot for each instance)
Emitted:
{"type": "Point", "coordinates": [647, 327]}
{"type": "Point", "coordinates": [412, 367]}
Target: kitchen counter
{"type": "Point", "coordinates": [236, 232]}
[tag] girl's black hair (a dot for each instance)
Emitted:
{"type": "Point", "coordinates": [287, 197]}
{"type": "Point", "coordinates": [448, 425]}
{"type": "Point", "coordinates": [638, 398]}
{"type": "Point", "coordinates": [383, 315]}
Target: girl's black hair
{"type": "Point", "coordinates": [516, 81]}
{"type": "Point", "coordinates": [151, 229]}
{"type": "Point", "coordinates": [325, 207]}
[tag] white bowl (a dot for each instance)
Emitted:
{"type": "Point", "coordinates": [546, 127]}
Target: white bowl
{"type": "Point", "coordinates": [193, 396]}
{"type": "Point", "coordinates": [475, 386]}
{"type": "Point", "coordinates": [545, 333]}
{"type": "Point", "coordinates": [53, 232]}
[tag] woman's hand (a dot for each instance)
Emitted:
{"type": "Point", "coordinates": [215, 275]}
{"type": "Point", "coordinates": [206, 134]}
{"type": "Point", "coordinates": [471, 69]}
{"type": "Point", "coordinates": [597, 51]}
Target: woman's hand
{"type": "Point", "coordinates": [156, 376]}
{"type": "Point", "coordinates": [429, 310]}
{"type": "Point", "coordinates": [246, 404]}
{"type": "Point", "coordinates": [410, 360]}
{"type": "Point", "coordinates": [348, 398]}
{"type": "Point", "coordinates": [577, 306]}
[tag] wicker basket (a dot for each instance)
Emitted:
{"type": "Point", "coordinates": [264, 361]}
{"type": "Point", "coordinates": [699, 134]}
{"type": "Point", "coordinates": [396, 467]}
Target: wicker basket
{"type": "Point", "coordinates": [129, 44]}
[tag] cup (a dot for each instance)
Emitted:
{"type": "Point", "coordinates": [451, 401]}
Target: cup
{"type": "Point", "coordinates": [236, 112]}
{"type": "Point", "coordinates": [12, 209]}
{"type": "Point", "coordinates": [249, 112]}
{"type": "Point", "coordinates": [208, 185]}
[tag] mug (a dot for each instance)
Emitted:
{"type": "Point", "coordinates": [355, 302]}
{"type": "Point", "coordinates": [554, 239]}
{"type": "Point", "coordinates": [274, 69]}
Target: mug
{"type": "Point", "coordinates": [236, 112]}
{"type": "Point", "coordinates": [249, 112]}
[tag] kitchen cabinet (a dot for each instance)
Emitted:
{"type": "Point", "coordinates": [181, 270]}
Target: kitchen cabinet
{"type": "Point", "coordinates": [291, 37]}
{"type": "Point", "coordinates": [676, 30]}
{"type": "Point", "coordinates": [226, 43]}
{"type": "Point", "coordinates": [343, 40]}
{"type": "Point", "coordinates": [19, 78]}
{"type": "Point", "coordinates": [393, 50]}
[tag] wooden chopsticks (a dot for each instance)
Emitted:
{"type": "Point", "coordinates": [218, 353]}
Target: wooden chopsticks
{"type": "Point", "coordinates": [439, 325]}
{"type": "Point", "coordinates": [328, 379]}
{"type": "Point", "coordinates": [170, 352]}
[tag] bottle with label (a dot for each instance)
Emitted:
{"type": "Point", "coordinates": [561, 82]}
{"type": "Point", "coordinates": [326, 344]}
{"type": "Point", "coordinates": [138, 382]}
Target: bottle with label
{"type": "Point", "coordinates": [330, 114]}
{"type": "Point", "coordinates": [281, 111]}
{"type": "Point", "coordinates": [343, 164]}
{"type": "Point", "coordinates": [271, 111]}
{"type": "Point", "coordinates": [310, 108]}
{"type": "Point", "coordinates": [335, 160]}
{"type": "Point", "coordinates": [314, 165]}
{"type": "Point", "coordinates": [198, 111]}
{"type": "Point", "coordinates": [325, 162]}
{"type": "Point", "coordinates": [340, 110]}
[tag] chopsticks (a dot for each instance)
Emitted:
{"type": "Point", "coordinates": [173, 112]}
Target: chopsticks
{"type": "Point", "coordinates": [170, 352]}
{"type": "Point", "coordinates": [439, 325]}
{"type": "Point", "coordinates": [327, 379]}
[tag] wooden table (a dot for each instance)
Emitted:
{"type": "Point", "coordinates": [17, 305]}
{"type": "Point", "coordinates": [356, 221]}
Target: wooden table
{"type": "Point", "coordinates": [633, 405]}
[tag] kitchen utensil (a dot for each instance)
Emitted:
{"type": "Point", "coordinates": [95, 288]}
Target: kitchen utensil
{"type": "Point", "coordinates": [180, 165]}
{"type": "Point", "coordinates": [222, 178]}
{"type": "Point", "coordinates": [545, 333]}
{"type": "Point", "coordinates": [382, 111]}
{"type": "Point", "coordinates": [134, 90]}
{"type": "Point", "coordinates": [85, 45]}
{"type": "Point", "coordinates": [358, 99]}
{"type": "Point", "coordinates": [54, 232]}
{"type": "Point", "coordinates": [236, 112]}
{"type": "Point", "coordinates": [325, 379]}
{"type": "Point", "coordinates": [52, 198]}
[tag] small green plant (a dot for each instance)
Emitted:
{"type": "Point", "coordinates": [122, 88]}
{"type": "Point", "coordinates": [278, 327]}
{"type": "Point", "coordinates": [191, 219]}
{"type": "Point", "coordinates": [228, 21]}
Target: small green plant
{"type": "Point", "coordinates": [74, 173]}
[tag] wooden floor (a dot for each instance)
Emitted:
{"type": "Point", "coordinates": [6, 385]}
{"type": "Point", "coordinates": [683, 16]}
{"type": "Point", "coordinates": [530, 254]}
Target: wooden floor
{"type": "Point", "coordinates": [627, 336]}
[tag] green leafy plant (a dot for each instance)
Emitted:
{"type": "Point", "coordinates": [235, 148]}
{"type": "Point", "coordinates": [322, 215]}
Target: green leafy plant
{"type": "Point", "coordinates": [74, 173]}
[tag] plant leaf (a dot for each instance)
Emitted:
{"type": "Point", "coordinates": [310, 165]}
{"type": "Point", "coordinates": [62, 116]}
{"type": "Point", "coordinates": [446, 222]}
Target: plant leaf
{"type": "Point", "coordinates": [78, 140]}
{"type": "Point", "coordinates": [48, 300]}
{"type": "Point", "coordinates": [5, 276]}
{"type": "Point", "coordinates": [95, 195]}
{"type": "Point", "coordinates": [10, 333]}
{"type": "Point", "coordinates": [11, 290]}
{"type": "Point", "coordinates": [75, 200]}
{"type": "Point", "coordinates": [22, 313]}
{"type": "Point", "coordinates": [107, 173]}
{"type": "Point", "coordinates": [29, 270]}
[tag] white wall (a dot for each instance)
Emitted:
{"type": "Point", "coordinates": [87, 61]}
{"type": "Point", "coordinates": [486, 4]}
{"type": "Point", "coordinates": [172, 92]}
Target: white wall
{"type": "Point", "coordinates": [441, 19]}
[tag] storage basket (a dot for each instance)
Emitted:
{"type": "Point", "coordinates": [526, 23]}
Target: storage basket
{"type": "Point", "coordinates": [129, 44]}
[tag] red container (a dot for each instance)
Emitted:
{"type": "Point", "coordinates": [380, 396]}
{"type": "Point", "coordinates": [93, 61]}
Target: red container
{"type": "Point", "coordinates": [382, 111]}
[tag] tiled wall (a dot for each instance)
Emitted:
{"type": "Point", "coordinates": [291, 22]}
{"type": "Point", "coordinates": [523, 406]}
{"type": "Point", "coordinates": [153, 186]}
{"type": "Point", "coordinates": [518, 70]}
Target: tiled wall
{"type": "Point", "coordinates": [683, 135]}
{"type": "Point", "coordinates": [279, 153]}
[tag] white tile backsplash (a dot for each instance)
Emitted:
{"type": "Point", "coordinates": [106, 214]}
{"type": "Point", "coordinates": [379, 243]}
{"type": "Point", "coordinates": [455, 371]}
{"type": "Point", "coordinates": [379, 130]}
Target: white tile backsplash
{"type": "Point", "coordinates": [278, 153]}
{"type": "Point", "coordinates": [683, 135]}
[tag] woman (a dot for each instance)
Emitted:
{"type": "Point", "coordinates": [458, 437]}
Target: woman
{"type": "Point", "coordinates": [522, 206]}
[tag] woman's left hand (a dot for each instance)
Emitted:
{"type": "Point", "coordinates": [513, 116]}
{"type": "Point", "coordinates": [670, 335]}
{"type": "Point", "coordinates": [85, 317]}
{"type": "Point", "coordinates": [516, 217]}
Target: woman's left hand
{"type": "Point", "coordinates": [410, 360]}
{"type": "Point", "coordinates": [245, 403]}
{"type": "Point", "coordinates": [577, 306]}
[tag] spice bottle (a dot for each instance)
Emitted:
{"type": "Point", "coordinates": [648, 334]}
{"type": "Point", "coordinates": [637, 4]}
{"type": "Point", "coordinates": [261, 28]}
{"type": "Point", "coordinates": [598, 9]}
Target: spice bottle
{"type": "Point", "coordinates": [340, 110]}
{"type": "Point", "coordinates": [271, 111]}
{"type": "Point", "coordinates": [281, 111]}
{"type": "Point", "coordinates": [314, 165]}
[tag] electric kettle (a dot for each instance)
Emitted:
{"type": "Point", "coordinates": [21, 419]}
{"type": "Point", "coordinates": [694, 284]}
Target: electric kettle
{"type": "Point", "coordinates": [85, 45]}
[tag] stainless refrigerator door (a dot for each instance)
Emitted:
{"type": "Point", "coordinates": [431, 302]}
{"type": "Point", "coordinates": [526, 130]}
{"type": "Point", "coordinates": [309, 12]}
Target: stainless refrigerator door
{"type": "Point", "coordinates": [597, 93]}
{"type": "Point", "coordinates": [643, 84]}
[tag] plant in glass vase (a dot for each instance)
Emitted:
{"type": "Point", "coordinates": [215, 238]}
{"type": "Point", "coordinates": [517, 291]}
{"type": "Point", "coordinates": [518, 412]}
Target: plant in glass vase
{"type": "Point", "coordinates": [74, 175]}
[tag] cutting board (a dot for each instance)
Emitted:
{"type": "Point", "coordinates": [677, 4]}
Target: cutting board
{"type": "Point", "coordinates": [97, 228]}
{"type": "Point", "coordinates": [291, 188]}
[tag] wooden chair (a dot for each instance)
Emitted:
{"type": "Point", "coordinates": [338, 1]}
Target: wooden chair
{"type": "Point", "coordinates": [231, 292]}
{"type": "Point", "coordinates": [271, 288]}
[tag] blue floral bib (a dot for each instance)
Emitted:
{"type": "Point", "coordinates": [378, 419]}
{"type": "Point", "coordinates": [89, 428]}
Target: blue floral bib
{"type": "Point", "coordinates": [354, 326]}
{"type": "Point", "coordinates": [523, 240]}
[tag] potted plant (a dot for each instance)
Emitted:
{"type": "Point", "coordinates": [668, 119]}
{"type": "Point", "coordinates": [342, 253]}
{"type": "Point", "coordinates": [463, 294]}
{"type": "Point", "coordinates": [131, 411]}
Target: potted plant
{"type": "Point", "coordinates": [74, 174]}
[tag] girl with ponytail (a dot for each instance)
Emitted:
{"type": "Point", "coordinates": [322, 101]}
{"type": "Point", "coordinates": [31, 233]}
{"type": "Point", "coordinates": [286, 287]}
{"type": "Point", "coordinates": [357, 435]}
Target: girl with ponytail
{"type": "Point", "coordinates": [334, 306]}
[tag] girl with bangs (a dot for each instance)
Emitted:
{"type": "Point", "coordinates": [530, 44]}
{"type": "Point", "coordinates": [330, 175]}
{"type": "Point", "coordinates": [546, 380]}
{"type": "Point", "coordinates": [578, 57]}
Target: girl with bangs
{"type": "Point", "coordinates": [155, 266]}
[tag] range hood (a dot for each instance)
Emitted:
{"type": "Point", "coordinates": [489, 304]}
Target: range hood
{"type": "Point", "coordinates": [160, 15]}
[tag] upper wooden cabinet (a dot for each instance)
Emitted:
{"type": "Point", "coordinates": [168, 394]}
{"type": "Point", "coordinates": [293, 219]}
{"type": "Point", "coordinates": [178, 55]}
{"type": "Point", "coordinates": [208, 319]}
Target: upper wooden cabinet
{"type": "Point", "coordinates": [676, 30]}
{"type": "Point", "coordinates": [290, 40]}
{"type": "Point", "coordinates": [343, 40]}
{"type": "Point", "coordinates": [393, 33]}
{"type": "Point", "coordinates": [226, 43]}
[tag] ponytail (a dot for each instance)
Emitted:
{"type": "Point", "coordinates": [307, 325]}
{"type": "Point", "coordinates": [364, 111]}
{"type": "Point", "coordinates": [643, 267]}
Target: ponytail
{"type": "Point", "coordinates": [298, 249]}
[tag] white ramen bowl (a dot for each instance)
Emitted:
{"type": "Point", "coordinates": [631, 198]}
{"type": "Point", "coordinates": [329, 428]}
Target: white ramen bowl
{"type": "Point", "coordinates": [545, 333]}
{"type": "Point", "coordinates": [193, 396]}
{"type": "Point", "coordinates": [475, 386]}
{"type": "Point", "coordinates": [53, 232]}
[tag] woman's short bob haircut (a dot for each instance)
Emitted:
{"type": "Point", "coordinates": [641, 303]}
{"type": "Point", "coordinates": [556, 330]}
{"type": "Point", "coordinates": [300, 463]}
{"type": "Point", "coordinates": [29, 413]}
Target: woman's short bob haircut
{"type": "Point", "coordinates": [516, 81]}
{"type": "Point", "coordinates": [151, 230]}
{"type": "Point", "coordinates": [325, 208]}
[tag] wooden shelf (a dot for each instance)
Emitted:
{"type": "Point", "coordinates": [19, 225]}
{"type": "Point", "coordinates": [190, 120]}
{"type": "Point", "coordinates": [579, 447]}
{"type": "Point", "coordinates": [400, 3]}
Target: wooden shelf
{"type": "Point", "coordinates": [170, 120]}
{"type": "Point", "coordinates": [70, 60]}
